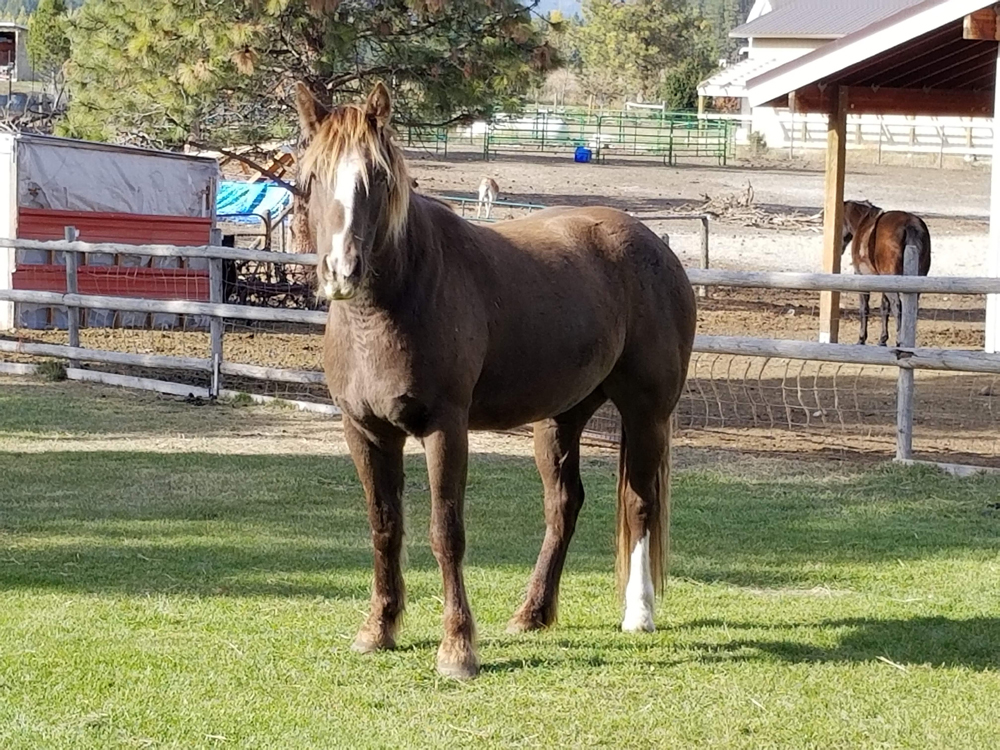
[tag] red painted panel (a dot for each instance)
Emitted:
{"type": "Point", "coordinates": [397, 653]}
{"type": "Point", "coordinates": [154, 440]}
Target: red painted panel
{"type": "Point", "coordinates": [132, 229]}
{"type": "Point", "coordinates": [118, 281]}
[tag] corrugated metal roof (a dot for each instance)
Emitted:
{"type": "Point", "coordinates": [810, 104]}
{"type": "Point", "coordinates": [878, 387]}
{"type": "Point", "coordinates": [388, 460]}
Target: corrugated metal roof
{"type": "Point", "coordinates": [820, 19]}
{"type": "Point", "coordinates": [919, 49]}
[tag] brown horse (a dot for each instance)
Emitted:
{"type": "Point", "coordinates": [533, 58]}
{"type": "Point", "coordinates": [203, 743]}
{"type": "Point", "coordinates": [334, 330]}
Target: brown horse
{"type": "Point", "coordinates": [438, 326]}
{"type": "Point", "coordinates": [878, 241]}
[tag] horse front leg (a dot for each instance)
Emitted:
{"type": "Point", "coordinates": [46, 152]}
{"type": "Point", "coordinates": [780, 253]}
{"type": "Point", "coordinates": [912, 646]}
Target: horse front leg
{"type": "Point", "coordinates": [863, 335]}
{"type": "Point", "coordinates": [379, 462]}
{"type": "Point", "coordinates": [447, 467]}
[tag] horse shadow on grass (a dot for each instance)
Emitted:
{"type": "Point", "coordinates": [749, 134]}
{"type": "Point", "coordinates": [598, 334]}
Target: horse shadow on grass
{"type": "Point", "coordinates": [936, 641]}
{"type": "Point", "coordinates": [901, 644]}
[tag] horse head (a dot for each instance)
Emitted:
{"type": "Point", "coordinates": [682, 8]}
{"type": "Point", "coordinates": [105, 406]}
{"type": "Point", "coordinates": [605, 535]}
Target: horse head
{"type": "Point", "coordinates": [355, 188]}
{"type": "Point", "coordinates": [855, 213]}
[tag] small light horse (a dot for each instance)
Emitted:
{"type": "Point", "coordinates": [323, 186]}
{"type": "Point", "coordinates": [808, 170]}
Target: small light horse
{"type": "Point", "coordinates": [878, 240]}
{"type": "Point", "coordinates": [488, 192]}
{"type": "Point", "coordinates": [438, 326]}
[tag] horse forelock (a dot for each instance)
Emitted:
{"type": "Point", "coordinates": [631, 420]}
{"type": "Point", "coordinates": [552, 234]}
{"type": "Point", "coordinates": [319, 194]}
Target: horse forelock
{"type": "Point", "coordinates": [348, 130]}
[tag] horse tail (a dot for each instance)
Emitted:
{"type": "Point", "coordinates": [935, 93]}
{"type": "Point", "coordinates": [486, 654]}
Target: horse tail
{"type": "Point", "coordinates": [917, 241]}
{"type": "Point", "coordinates": [658, 523]}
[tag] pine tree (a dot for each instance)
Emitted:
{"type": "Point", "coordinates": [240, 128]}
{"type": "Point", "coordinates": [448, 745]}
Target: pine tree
{"type": "Point", "coordinates": [173, 71]}
{"type": "Point", "coordinates": [647, 49]}
{"type": "Point", "coordinates": [48, 43]}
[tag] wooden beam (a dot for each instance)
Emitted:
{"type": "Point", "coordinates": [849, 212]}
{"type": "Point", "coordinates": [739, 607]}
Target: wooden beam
{"type": "Point", "coordinates": [833, 214]}
{"type": "Point", "coordinates": [956, 360]}
{"type": "Point", "coordinates": [175, 306]}
{"type": "Point", "coordinates": [981, 25]}
{"type": "Point", "coordinates": [867, 100]}
{"type": "Point", "coordinates": [165, 251]}
{"type": "Point", "coordinates": [819, 282]}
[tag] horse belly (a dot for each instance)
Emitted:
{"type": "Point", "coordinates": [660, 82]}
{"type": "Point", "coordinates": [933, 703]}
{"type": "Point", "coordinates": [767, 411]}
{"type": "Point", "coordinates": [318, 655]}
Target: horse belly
{"type": "Point", "coordinates": [519, 387]}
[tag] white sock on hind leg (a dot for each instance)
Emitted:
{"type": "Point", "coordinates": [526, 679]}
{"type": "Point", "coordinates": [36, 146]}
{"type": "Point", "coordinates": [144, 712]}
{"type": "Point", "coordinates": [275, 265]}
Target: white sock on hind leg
{"type": "Point", "coordinates": [639, 591]}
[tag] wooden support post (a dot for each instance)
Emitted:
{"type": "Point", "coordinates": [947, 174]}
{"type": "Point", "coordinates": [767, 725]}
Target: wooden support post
{"type": "Point", "coordinates": [981, 25]}
{"type": "Point", "coordinates": [907, 338]}
{"type": "Point", "coordinates": [881, 129]}
{"type": "Point", "coordinates": [833, 214]}
{"type": "Point", "coordinates": [993, 257]}
{"type": "Point", "coordinates": [703, 290]}
{"type": "Point", "coordinates": [215, 296]}
{"type": "Point", "coordinates": [791, 125]}
{"type": "Point", "coordinates": [72, 287]}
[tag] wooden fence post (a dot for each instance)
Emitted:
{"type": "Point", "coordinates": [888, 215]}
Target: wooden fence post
{"type": "Point", "coordinates": [703, 290]}
{"type": "Point", "coordinates": [72, 287]}
{"type": "Point", "coordinates": [216, 324]}
{"type": "Point", "coordinates": [833, 213]}
{"type": "Point", "coordinates": [908, 339]}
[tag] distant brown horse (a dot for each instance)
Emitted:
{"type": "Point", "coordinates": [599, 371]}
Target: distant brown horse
{"type": "Point", "coordinates": [438, 326]}
{"type": "Point", "coordinates": [878, 240]}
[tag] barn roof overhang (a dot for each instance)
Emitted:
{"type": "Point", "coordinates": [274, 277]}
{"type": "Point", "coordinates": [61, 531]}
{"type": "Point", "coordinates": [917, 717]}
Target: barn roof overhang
{"type": "Point", "coordinates": [937, 58]}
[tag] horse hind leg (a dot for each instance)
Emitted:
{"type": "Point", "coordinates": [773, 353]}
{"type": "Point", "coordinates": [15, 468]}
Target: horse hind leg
{"type": "Point", "coordinates": [643, 515]}
{"type": "Point", "coordinates": [897, 310]}
{"type": "Point", "coordinates": [864, 309]}
{"type": "Point", "coordinates": [557, 456]}
{"type": "Point", "coordinates": [884, 336]}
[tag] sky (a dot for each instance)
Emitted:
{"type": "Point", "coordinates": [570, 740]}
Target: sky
{"type": "Point", "coordinates": [568, 7]}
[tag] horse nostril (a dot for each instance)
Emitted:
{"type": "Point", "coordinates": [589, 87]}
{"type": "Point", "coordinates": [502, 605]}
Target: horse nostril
{"type": "Point", "coordinates": [326, 268]}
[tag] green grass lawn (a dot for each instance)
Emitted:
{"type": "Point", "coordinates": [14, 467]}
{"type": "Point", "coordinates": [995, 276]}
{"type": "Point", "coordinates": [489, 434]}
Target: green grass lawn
{"type": "Point", "coordinates": [205, 599]}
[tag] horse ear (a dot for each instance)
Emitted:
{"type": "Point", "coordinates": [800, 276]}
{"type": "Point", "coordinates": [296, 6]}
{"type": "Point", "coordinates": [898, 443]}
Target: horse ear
{"type": "Point", "coordinates": [379, 105]}
{"type": "Point", "coordinates": [311, 112]}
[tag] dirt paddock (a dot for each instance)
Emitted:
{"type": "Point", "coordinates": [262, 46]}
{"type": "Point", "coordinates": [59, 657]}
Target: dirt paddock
{"type": "Point", "coordinates": [771, 406]}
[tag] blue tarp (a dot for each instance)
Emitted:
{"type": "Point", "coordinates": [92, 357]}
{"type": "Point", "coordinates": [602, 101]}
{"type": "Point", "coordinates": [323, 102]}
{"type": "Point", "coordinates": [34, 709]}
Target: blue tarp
{"type": "Point", "coordinates": [240, 201]}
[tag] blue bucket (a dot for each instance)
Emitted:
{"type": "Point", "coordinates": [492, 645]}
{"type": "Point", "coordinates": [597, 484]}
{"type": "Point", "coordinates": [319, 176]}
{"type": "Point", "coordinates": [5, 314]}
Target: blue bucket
{"type": "Point", "coordinates": [582, 154]}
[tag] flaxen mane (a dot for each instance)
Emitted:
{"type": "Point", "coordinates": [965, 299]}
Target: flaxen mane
{"type": "Point", "coordinates": [348, 127]}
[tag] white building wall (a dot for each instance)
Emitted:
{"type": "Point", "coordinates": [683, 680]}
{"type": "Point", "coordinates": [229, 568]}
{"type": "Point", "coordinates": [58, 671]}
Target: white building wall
{"type": "Point", "coordinates": [767, 120]}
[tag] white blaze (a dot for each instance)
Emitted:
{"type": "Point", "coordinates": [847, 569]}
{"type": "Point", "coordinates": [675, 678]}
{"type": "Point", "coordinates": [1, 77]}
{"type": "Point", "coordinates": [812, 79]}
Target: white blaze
{"type": "Point", "coordinates": [639, 591]}
{"type": "Point", "coordinates": [346, 177]}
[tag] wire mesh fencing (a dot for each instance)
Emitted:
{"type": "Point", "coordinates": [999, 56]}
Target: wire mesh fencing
{"type": "Point", "coordinates": [787, 406]}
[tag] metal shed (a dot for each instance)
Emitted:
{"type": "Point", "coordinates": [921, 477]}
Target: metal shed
{"type": "Point", "coordinates": [109, 194]}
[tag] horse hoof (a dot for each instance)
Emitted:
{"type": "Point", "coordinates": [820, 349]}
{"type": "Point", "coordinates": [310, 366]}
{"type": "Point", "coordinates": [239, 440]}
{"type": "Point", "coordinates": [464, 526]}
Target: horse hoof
{"type": "Point", "coordinates": [882, 343]}
{"type": "Point", "coordinates": [365, 644]}
{"type": "Point", "coordinates": [457, 661]}
{"type": "Point", "coordinates": [519, 625]}
{"type": "Point", "coordinates": [638, 622]}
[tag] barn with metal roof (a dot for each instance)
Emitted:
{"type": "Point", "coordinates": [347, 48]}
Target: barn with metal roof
{"type": "Point", "coordinates": [935, 57]}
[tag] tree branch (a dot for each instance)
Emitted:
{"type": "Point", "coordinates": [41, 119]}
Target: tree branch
{"type": "Point", "coordinates": [253, 165]}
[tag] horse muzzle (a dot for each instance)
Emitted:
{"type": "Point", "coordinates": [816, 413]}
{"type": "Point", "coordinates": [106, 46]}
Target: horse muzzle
{"type": "Point", "coordinates": [340, 277]}
{"type": "Point", "coordinates": [340, 292]}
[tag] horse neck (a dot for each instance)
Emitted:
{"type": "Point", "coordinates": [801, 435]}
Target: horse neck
{"type": "Point", "coordinates": [403, 267]}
